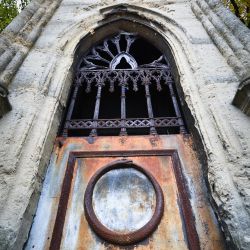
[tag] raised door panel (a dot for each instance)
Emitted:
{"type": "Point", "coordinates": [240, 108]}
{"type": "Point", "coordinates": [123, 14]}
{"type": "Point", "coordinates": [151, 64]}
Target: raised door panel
{"type": "Point", "coordinates": [188, 221]}
{"type": "Point", "coordinates": [170, 233]}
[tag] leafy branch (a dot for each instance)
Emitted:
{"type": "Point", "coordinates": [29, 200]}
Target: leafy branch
{"type": "Point", "coordinates": [241, 8]}
{"type": "Point", "coordinates": [9, 9]}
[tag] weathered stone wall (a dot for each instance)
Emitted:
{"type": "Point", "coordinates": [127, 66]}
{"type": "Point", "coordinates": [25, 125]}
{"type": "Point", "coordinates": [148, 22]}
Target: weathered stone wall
{"type": "Point", "coordinates": [212, 58]}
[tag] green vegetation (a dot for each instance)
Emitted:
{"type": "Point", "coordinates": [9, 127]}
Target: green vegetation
{"type": "Point", "coordinates": [241, 8]}
{"type": "Point", "coordinates": [9, 10]}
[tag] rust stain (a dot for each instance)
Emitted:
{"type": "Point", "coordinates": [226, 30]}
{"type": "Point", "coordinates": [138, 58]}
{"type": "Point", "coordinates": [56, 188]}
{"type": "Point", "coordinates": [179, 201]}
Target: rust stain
{"type": "Point", "coordinates": [172, 227]}
{"type": "Point", "coordinates": [85, 236]}
{"type": "Point", "coordinates": [118, 237]}
{"type": "Point", "coordinates": [185, 206]}
{"type": "Point", "coordinates": [52, 222]}
{"type": "Point", "coordinates": [167, 170]}
{"type": "Point", "coordinates": [62, 207]}
{"type": "Point", "coordinates": [70, 195]}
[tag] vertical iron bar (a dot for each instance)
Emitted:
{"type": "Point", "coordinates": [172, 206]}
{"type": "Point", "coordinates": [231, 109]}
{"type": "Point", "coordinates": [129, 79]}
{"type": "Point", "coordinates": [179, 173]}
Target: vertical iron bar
{"type": "Point", "coordinates": [97, 108]}
{"type": "Point", "coordinates": [176, 108]}
{"type": "Point", "coordinates": [150, 110]}
{"type": "Point", "coordinates": [123, 110]}
{"type": "Point", "coordinates": [71, 108]}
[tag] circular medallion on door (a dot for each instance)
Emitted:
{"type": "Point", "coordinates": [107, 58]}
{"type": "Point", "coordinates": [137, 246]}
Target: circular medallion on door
{"type": "Point", "coordinates": [123, 203]}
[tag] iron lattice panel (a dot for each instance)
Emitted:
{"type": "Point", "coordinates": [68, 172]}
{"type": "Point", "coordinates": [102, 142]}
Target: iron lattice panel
{"type": "Point", "coordinates": [126, 78]}
{"type": "Point", "coordinates": [101, 68]}
{"type": "Point", "coordinates": [128, 123]}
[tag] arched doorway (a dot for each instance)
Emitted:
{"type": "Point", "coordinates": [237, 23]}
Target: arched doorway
{"type": "Point", "coordinates": [124, 111]}
{"type": "Point", "coordinates": [121, 90]}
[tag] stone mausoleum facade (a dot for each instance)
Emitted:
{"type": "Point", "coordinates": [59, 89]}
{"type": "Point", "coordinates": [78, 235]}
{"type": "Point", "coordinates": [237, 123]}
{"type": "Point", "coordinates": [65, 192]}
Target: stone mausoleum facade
{"type": "Point", "coordinates": [209, 54]}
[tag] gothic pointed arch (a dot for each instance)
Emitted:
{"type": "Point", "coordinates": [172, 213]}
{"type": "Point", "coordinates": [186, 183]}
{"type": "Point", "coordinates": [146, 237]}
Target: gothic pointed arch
{"type": "Point", "coordinates": [123, 64]}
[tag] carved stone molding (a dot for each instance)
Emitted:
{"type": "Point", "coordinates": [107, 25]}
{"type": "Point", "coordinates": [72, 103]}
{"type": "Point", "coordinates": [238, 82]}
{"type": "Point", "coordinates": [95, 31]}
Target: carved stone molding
{"type": "Point", "coordinates": [232, 38]}
{"type": "Point", "coordinates": [18, 38]}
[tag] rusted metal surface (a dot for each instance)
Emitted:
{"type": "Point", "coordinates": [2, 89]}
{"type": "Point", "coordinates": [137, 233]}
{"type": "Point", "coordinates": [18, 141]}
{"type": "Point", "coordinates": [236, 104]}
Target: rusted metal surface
{"type": "Point", "coordinates": [105, 56]}
{"type": "Point", "coordinates": [125, 79]}
{"type": "Point", "coordinates": [161, 122]}
{"type": "Point", "coordinates": [99, 69]}
{"type": "Point", "coordinates": [62, 207]}
{"type": "Point", "coordinates": [192, 242]}
{"type": "Point", "coordinates": [185, 206]}
{"type": "Point", "coordinates": [182, 191]}
{"type": "Point", "coordinates": [125, 238]}
{"type": "Point", "coordinates": [96, 111]}
{"type": "Point", "coordinates": [158, 76]}
{"type": "Point", "coordinates": [124, 200]}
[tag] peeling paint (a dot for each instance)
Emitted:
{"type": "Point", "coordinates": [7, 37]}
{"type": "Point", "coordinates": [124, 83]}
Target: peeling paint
{"type": "Point", "coordinates": [172, 232]}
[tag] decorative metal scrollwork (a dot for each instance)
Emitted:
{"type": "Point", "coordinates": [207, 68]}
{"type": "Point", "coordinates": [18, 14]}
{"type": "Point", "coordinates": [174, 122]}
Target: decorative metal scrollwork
{"type": "Point", "coordinates": [89, 78]}
{"type": "Point", "coordinates": [103, 57]}
{"type": "Point", "coordinates": [129, 123]}
{"type": "Point", "coordinates": [101, 68]}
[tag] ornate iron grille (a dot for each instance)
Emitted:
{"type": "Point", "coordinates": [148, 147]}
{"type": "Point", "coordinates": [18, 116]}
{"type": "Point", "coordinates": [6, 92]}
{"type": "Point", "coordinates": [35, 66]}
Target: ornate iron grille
{"type": "Point", "coordinates": [100, 69]}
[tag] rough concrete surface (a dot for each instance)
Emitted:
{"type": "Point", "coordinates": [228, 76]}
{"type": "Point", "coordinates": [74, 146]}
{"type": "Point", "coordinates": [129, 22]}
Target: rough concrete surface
{"type": "Point", "coordinates": [212, 58]}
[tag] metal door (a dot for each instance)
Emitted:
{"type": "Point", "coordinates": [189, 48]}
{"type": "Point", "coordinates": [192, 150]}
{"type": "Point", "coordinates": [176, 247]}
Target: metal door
{"type": "Point", "coordinates": [187, 222]}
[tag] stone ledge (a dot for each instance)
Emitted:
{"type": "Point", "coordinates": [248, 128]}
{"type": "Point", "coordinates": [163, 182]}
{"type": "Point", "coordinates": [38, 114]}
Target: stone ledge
{"type": "Point", "coordinates": [242, 97]}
